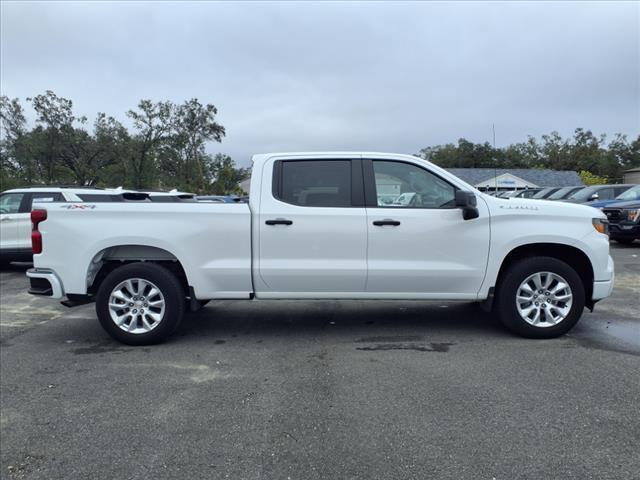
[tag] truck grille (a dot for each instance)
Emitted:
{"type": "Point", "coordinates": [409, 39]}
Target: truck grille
{"type": "Point", "coordinates": [612, 214]}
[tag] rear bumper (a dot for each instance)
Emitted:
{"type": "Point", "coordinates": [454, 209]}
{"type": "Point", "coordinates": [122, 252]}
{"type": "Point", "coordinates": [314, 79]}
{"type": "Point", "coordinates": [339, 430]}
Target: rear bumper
{"type": "Point", "coordinates": [45, 282]}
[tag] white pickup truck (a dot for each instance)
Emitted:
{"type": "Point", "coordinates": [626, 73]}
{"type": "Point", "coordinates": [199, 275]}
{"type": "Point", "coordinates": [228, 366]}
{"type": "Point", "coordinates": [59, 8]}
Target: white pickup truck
{"type": "Point", "coordinates": [325, 226]}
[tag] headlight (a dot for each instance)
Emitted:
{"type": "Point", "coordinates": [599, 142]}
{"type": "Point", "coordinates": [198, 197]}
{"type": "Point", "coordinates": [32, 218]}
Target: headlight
{"type": "Point", "coordinates": [632, 215]}
{"type": "Point", "coordinates": [601, 225]}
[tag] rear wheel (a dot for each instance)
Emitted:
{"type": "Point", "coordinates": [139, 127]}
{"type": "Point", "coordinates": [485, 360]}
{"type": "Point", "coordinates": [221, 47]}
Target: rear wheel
{"type": "Point", "coordinates": [140, 303]}
{"type": "Point", "coordinates": [540, 297]}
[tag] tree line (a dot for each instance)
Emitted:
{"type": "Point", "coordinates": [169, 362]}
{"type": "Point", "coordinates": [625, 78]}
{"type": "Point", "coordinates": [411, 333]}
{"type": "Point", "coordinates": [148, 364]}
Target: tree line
{"type": "Point", "coordinates": [592, 156]}
{"type": "Point", "coordinates": [164, 149]}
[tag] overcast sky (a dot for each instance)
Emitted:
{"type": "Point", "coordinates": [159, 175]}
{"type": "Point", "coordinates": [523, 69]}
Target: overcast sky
{"type": "Point", "coordinates": [329, 76]}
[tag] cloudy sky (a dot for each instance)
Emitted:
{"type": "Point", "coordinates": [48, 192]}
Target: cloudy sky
{"type": "Point", "coordinates": [328, 76]}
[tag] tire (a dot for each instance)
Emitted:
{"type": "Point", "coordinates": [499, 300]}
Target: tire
{"type": "Point", "coordinates": [557, 315]}
{"type": "Point", "coordinates": [132, 288]}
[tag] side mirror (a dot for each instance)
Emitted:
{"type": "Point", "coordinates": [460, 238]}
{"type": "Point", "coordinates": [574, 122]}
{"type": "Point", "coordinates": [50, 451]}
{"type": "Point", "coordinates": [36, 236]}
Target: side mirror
{"type": "Point", "coordinates": [595, 196]}
{"type": "Point", "coordinates": [467, 202]}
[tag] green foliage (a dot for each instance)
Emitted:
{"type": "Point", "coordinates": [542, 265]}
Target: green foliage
{"type": "Point", "coordinates": [583, 152]}
{"type": "Point", "coordinates": [165, 149]}
{"type": "Point", "coordinates": [589, 178]}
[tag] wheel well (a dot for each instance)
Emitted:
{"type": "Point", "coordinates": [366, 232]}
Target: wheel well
{"type": "Point", "coordinates": [107, 260]}
{"type": "Point", "coordinates": [572, 256]}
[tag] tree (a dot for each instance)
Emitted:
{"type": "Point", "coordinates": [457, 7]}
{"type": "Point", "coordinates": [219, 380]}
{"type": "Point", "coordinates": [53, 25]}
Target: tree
{"type": "Point", "coordinates": [183, 158]}
{"type": "Point", "coordinates": [15, 163]}
{"type": "Point", "coordinates": [226, 177]}
{"type": "Point", "coordinates": [54, 114]}
{"type": "Point", "coordinates": [154, 123]}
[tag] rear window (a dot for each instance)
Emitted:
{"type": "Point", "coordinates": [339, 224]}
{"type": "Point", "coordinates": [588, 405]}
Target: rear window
{"type": "Point", "coordinates": [315, 183]}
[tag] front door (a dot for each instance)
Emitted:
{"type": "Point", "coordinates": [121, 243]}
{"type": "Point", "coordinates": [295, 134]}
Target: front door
{"type": "Point", "coordinates": [11, 218]}
{"type": "Point", "coordinates": [312, 229]}
{"type": "Point", "coordinates": [418, 244]}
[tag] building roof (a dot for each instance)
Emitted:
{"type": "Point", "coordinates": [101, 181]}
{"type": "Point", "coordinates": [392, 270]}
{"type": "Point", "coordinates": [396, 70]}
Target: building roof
{"type": "Point", "coordinates": [486, 177]}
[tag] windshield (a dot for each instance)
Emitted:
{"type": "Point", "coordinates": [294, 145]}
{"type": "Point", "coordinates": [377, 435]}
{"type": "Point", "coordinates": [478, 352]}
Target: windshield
{"type": "Point", "coordinates": [632, 194]}
{"type": "Point", "coordinates": [562, 192]}
{"type": "Point", "coordinates": [584, 194]}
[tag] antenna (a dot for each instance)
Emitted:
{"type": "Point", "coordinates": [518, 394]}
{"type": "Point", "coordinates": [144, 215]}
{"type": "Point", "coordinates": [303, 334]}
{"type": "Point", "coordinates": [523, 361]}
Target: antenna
{"type": "Point", "coordinates": [495, 160]}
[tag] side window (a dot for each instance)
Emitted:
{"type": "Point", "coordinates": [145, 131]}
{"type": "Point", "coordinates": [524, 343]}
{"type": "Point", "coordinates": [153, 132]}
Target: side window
{"type": "Point", "coordinates": [315, 183]}
{"type": "Point", "coordinates": [402, 185]}
{"type": "Point", "coordinates": [44, 197]}
{"type": "Point", "coordinates": [606, 194]}
{"type": "Point", "coordinates": [10, 202]}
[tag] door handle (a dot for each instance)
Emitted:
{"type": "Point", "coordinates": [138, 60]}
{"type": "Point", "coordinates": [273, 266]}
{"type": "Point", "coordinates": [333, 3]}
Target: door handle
{"type": "Point", "coordinates": [279, 221]}
{"type": "Point", "coordinates": [386, 221]}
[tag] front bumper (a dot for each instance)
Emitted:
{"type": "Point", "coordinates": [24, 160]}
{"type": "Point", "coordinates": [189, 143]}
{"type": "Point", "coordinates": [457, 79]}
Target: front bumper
{"type": "Point", "coordinates": [603, 288]}
{"type": "Point", "coordinates": [45, 282]}
{"type": "Point", "coordinates": [624, 230]}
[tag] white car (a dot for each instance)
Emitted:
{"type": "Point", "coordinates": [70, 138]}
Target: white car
{"type": "Point", "coordinates": [15, 210]}
{"type": "Point", "coordinates": [16, 204]}
{"type": "Point", "coordinates": [315, 228]}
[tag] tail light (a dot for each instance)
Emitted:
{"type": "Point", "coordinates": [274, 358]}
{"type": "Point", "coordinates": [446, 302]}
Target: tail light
{"type": "Point", "coordinates": [37, 217]}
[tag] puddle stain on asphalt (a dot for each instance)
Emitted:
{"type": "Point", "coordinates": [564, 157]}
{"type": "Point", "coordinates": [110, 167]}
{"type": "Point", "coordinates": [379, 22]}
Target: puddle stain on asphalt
{"type": "Point", "coordinates": [393, 338]}
{"type": "Point", "coordinates": [432, 347]}
{"type": "Point", "coordinates": [103, 348]}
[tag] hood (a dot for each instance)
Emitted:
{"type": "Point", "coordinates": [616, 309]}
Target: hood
{"type": "Point", "coordinates": [601, 203]}
{"type": "Point", "coordinates": [627, 204]}
{"type": "Point", "coordinates": [530, 206]}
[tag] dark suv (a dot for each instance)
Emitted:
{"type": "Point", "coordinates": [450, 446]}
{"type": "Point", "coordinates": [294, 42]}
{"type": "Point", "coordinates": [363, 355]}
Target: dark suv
{"type": "Point", "coordinates": [624, 221]}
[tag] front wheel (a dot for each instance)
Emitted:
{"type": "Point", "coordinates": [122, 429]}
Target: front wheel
{"type": "Point", "coordinates": [540, 297]}
{"type": "Point", "coordinates": [140, 303]}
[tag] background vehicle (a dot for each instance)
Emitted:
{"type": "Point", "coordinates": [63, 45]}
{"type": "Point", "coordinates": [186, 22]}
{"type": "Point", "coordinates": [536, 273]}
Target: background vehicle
{"type": "Point", "coordinates": [315, 228]}
{"type": "Point", "coordinates": [215, 199]}
{"type": "Point", "coordinates": [526, 193]}
{"type": "Point", "coordinates": [545, 193]}
{"type": "Point", "coordinates": [632, 194]}
{"type": "Point", "coordinates": [15, 222]}
{"type": "Point", "coordinates": [597, 193]}
{"type": "Point", "coordinates": [624, 219]}
{"type": "Point", "coordinates": [16, 205]}
{"type": "Point", "coordinates": [564, 192]}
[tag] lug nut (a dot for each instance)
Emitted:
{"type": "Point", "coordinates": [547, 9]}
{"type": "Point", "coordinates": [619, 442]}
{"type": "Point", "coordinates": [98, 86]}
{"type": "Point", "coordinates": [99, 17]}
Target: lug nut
{"type": "Point", "coordinates": [145, 305]}
{"type": "Point", "coordinates": [131, 304]}
{"type": "Point", "coordinates": [141, 311]}
{"type": "Point", "coordinates": [135, 311]}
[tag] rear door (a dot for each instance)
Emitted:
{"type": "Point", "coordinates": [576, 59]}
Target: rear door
{"type": "Point", "coordinates": [312, 228]}
{"type": "Point", "coordinates": [419, 246]}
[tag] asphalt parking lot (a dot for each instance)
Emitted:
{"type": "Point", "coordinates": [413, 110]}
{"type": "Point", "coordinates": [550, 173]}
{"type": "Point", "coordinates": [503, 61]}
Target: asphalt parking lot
{"type": "Point", "coordinates": [308, 390]}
